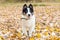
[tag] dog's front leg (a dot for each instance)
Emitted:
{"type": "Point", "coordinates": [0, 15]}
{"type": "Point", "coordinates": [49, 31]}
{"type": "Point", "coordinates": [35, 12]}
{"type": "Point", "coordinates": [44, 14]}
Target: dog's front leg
{"type": "Point", "coordinates": [24, 30]}
{"type": "Point", "coordinates": [32, 29]}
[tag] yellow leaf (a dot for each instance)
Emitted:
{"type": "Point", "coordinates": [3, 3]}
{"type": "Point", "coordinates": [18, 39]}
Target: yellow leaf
{"type": "Point", "coordinates": [1, 38]}
{"type": "Point", "coordinates": [18, 34]}
{"type": "Point", "coordinates": [57, 29]}
{"type": "Point", "coordinates": [46, 33]}
{"type": "Point", "coordinates": [38, 35]}
{"type": "Point", "coordinates": [31, 38]}
{"type": "Point", "coordinates": [51, 29]}
{"type": "Point", "coordinates": [38, 27]}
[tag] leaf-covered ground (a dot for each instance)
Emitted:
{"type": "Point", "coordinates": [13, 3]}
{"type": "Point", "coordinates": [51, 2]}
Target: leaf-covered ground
{"type": "Point", "coordinates": [47, 22]}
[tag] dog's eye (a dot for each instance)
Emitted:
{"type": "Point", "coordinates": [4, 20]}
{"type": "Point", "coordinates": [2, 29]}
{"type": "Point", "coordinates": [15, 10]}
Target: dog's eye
{"type": "Point", "coordinates": [25, 10]}
{"type": "Point", "coordinates": [31, 10]}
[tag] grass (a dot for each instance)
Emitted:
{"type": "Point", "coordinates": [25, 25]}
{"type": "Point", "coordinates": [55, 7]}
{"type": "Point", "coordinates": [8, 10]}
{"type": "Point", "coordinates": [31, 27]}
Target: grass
{"type": "Point", "coordinates": [40, 4]}
{"type": "Point", "coordinates": [34, 4]}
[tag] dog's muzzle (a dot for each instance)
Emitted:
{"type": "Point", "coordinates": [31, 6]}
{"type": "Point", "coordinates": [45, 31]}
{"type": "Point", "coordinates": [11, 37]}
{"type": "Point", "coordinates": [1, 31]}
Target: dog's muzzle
{"type": "Point", "coordinates": [28, 15]}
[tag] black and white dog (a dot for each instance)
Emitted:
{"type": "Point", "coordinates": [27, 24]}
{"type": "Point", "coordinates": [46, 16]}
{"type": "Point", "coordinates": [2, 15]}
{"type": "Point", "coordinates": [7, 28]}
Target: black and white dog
{"type": "Point", "coordinates": [28, 20]}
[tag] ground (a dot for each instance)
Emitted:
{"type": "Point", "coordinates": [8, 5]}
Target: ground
{"type": "Point", "coordinates": [47, 21]}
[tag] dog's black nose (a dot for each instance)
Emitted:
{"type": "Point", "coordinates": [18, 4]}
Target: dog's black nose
{"type": "Point", "coordinates": [28, 14]}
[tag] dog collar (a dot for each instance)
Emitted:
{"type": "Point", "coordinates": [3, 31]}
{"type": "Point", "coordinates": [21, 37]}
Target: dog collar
{"type": "Point", "coordinates": [24, 18]}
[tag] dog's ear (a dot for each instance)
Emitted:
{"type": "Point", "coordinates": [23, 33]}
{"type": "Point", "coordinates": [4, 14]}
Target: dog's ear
{"type": "Point", "coordinates": [31, 8]}
{"type": "Point", "coordinates": [24, 6]}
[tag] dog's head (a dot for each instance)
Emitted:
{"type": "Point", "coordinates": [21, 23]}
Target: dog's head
{"type": "Point", "coordinates": [28, 10]}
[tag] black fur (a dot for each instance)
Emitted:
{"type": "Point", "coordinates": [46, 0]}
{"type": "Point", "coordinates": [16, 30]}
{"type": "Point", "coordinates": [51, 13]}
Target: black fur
{"type": "Point", "coordinates": [24, 11]}
{"type": "Point", "coordinates": [31, 8]}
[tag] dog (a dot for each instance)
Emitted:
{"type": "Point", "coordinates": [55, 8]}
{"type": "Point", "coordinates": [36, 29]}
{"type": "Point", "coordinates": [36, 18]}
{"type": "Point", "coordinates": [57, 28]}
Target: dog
{"type": "Point", "coordinates": [28, 20]}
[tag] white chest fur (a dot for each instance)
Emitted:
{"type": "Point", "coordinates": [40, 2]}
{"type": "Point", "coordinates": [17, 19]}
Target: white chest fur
{"type": "Point", "coordinates": [29, 22]}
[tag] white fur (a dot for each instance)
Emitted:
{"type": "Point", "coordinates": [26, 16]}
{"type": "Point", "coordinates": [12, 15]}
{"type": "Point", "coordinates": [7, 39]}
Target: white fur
{"type": "Point", "coordinates": [30, 24]}
{"type": "Point", "coordinates": [28, 11]}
